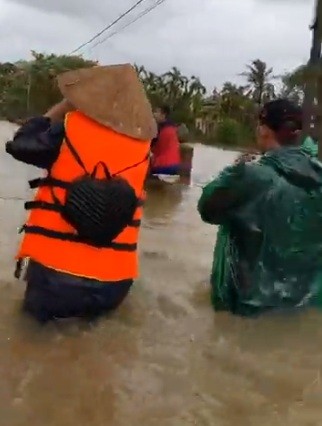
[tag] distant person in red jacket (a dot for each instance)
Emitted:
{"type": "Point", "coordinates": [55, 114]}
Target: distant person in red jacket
{"type": "Point", "coordinates": [166, 146]}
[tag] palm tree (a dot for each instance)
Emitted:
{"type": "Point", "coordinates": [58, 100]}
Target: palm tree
{"type": "Point", "coordinates": [259, 77]}
{"type": "Point", "coordinates": [195, 94]}
{"type": "Point", "coordinates": [141, 72]}
{"type": "Point", "coordinates": [293, 84]}
{"type": "Point", "coordinates": [175, 84]}
{"type": "Point", "coordinates": [184, 95]}
{"type": "Point", "coordinates": [231, 99]}
{"type": "Point", "coordinates": [235, 103]}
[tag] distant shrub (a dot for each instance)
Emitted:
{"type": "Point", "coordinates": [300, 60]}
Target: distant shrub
{"type": "Point", "coordinates": [228, 132]}
{"type": "Point", "coordinates": [231, 134]}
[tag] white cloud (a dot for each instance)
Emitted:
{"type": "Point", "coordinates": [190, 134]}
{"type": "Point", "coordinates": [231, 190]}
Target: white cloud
{"type": "Point", "coordinates": [213, 39]}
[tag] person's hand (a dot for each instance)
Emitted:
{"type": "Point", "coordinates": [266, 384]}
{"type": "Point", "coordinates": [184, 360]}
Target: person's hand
{"type": "Point", "coordinates": [58, 111]}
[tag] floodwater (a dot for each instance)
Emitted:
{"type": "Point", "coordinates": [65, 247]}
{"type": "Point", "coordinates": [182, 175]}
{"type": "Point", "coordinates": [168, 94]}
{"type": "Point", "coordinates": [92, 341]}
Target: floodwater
{"type": "Point", "coordinates": [164, 358]}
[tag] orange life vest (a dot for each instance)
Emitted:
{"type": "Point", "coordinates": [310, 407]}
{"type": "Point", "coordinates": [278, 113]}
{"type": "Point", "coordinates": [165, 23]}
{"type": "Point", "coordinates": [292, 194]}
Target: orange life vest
{"type": "Point", "coordinates": [49, 238]}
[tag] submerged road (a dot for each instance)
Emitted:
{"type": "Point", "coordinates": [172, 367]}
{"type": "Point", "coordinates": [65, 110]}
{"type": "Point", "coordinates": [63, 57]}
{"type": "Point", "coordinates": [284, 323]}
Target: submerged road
{"type": "Point", "coordinates": [165, 358]}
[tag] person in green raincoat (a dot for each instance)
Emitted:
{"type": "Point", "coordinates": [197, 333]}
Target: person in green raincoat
{"type": "Point", "coordinates": [268, 254]}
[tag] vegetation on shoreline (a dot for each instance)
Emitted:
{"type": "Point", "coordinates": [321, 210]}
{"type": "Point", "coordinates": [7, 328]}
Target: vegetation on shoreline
{"type": "Point", "coordinates": [227, 116]}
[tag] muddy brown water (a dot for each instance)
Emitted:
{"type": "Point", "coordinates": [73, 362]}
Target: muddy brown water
{"type": "Point", "coordinates": [165, 358]}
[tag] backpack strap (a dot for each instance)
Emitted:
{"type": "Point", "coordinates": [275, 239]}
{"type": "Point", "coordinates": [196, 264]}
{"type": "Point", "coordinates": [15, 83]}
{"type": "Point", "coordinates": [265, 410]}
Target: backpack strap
{"type": "Point", "coordinates": [107, 172]}
{"type": "Point", "coordinates": [47, 181]}
{"type": "Point", "coordinates": [75, 154]}
{"type": "Point", "coordinates": [79, 161]}
{"type": "Point", "coordinates": [68, 236]}
{"type": "Point", "coordinates": [146, 158]}
{"type": "Point", "coordinates": [105, 168]}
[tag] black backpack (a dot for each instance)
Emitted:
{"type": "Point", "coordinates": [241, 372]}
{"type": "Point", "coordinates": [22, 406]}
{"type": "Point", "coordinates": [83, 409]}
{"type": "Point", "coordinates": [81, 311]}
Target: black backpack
{"type": "Point", "coordinates": [98, 209]}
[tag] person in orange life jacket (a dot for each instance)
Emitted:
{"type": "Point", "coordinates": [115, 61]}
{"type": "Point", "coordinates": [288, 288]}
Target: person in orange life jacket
{"type": "Point", "coordinates": [67, 276]}
{"type": "Point", "coordinates": [166, 146]}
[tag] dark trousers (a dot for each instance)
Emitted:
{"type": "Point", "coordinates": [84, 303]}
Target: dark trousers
{"type": "Point", "coordinates": [52, 295]}
{"type": "Point", "coordinates": [167, 170]}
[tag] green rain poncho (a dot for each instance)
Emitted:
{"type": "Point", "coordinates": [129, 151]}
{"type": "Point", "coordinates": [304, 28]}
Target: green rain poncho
{"type": "Point", "coordinates": [310, 146]}
{"type": "Point", "coordinates": [269, 245]}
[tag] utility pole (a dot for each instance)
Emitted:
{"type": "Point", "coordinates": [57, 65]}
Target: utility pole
{"type": "Point", "coordinates": [28, 92]}
{"type": "Point", "coordinates": [319, 77]}
{"type": "Point", "coordinates": [311, 83]}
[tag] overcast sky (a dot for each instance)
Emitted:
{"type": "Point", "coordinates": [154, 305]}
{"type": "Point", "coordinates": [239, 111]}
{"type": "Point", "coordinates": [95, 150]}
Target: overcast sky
{"type": "Point", "coordinates": [213, 39]}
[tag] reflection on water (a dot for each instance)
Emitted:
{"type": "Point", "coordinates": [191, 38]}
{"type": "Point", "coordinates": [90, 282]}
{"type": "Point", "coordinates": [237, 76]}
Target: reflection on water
{"type": "Point", "coordinates": [163, 201]}
{"type": "Point", "coordinates": [164, 358]}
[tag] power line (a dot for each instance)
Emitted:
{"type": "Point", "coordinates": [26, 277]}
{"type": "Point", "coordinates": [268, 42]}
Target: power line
{"type": "Point", "coordinates": [141, 15]}
{"type": "Point", "coordinates": [108, 26]}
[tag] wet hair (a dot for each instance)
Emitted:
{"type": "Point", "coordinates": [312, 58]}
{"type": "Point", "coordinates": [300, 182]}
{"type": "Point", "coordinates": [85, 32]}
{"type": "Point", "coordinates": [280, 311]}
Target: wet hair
{"type": "Point", "coordinates": [165, 109]}
{"type": "Point", "coordinates": [284, 118]}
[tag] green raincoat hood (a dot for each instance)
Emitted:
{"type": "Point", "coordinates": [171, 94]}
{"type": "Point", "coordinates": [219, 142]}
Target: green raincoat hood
{"type": "Point", "coordinates": [297, 167]}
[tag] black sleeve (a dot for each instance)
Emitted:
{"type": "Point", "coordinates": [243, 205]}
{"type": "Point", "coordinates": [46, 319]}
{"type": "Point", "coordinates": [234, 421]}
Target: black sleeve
{"type": "Point", "coordinates": [37, 142]}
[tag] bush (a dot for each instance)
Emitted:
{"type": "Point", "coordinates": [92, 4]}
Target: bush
{"type": "Point", "coordinates": [247, 136]}
{"type": "Point", "coordinates": [228, 132]}
{"type": "Point", "coordinates": [232, 133]}
{"type": "Point", "coordinates": [29, 88]}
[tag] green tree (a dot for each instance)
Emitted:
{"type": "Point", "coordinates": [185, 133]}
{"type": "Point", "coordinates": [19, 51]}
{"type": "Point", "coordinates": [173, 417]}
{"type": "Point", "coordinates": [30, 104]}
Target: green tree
{"type": "Point", "coordinates": [232, 98]}
{"type": "Point", "coordinates": [259, 81]}
{"type": "Point", "coordinates": [29, 87]}
{"type": "Point", "coordinates": [293, 84]}
{"type": "Point", "coordinates": [184, 95]}
{"type": "Point", "coordinates": [235, 103]}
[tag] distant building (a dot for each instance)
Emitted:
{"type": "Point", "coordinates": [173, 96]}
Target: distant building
{"type": "Point", "coordinates": [207, 120]}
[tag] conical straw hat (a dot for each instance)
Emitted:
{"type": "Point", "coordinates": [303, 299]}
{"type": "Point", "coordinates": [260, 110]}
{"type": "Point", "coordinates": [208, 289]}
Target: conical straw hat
{"type": "Point", "coordinates": [113, 96]}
